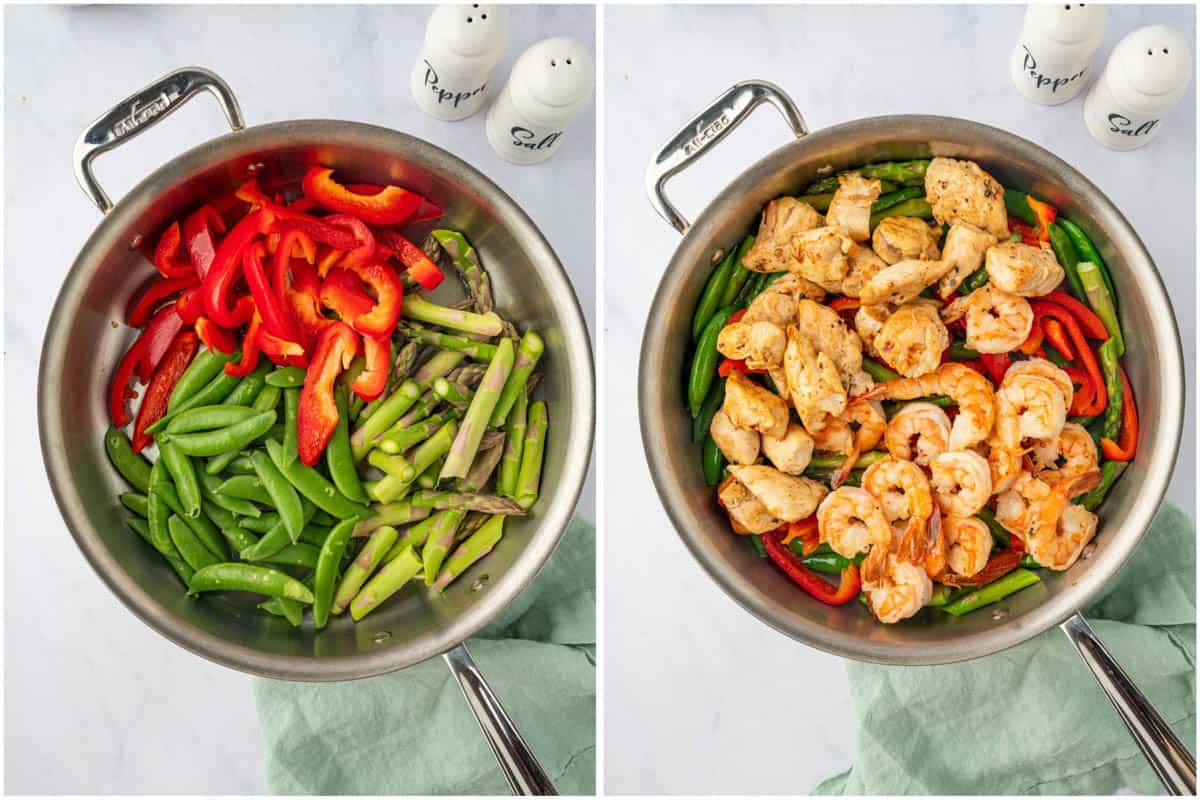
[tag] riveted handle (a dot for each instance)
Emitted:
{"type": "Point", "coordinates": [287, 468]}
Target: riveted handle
{"type": "Point", "coordinates": [1168, 756]}
{"type": "Point", "coordinates": [141, 111]}
{"type": "Point", "coordinates": [708, 128]}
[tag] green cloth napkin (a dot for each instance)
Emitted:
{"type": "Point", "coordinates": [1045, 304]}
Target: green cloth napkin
{"type": "Point", "coordinates": [1032, 720]}
{"type": "Point", "coordinates": [411, 733]}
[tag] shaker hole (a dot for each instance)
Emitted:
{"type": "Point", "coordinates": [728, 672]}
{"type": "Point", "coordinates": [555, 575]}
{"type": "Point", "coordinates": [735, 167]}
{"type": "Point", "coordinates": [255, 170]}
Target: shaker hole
{"type": "Point", "coordinates": [1149, 52]}
{"type": "Point", "coordinates": [469, 19]}
{"type": "Point", "coordinates": [553, 63]}
{"type": "Point", "coordinates": [569, 60]}
{"type": "Point", "coordinates": [483, 16]}
{"type": "Point", "coordinates": [1165, 51]}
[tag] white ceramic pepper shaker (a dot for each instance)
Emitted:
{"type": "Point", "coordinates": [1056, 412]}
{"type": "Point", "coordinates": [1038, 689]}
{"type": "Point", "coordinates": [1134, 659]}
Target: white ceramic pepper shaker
{"type": "Point", "coordinates": [1053, 57]}
{"type": "Point", "coordinates": [463, 44]}
{"type": "Point", "coordinates": [1147, 74]}
{"type": "Point", "coordinates": [550, 83]}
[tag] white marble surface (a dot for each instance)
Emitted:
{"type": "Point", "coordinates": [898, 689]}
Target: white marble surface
{"type": "Point", "coordinates": [701, 698]}
{"type": "Point", "coordinates": [95, 702]}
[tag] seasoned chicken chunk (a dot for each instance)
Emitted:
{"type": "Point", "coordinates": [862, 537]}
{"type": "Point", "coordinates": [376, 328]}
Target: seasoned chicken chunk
{"type": "Point", "coordinates": [789, 453]}
{"type": "Point", "coordinates": [850, 208]}
{"type": "Point", "coordinates": [747, 511]}
{"type": "Point", "coordinates": [912, 340]}
{"type": "Point", "coordinates": [901, 282]}
{"type": "Point", "coordinates": [1023, 269]}
{"type": "Point", "coordinates": [868, 321]}
{"type": "Point", "coordinates": [749, 405]}
{"type": "Point", "coordinates": [960, 191]}
{"type": "Point", "coordinates": [739, 445]}
{"type": "Point", "coordinates": [863, 265]}
{"type": "Point", "coordinates": [774, 249]}
{"type": "Point", "coordinates": [965, 246]}
{"type": "Point", "coordinates": [760, 344]}
{"type": "Point", "coordinates": [829, 334]}
{"type": "Point", "coordinates": [784, 496]}
{"type": "Point", "coordinates": [899, 238]}
{"type": "Point", "coordinates": [821, 255]}
{"type": "Point", "coordinates": [813, 381]}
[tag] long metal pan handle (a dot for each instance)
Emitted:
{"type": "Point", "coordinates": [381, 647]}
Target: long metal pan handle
{"type": "Point", "coordinates": [1168, 756]}
{"type": "Point", "coordinates": [525, 775]}
{"type": "Point", "coordinates": [141, 111]}
{"type": "Point", "coordinates": [708, 128]}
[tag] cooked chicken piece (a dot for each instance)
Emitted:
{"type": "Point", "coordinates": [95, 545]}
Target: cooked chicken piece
{"type": "Point", "coordinates": [746, 510]}
{"type": "Point", "coordinates": [772, 305]}
{"type": "Point", "coordinates": [749, 405]}
{"type": "Point", "coordinates": [821, 257]}
{"type": "Point", "coordinates": [901, 282]}
{"type": "Point", "coordinates": [784, 496]}
{"type": "Point", "coordinates": [813, 381]}
{"type": "Point", "coordinates": [863, 265]}
{"type": "Point", "coordinates": [1023, 269]}
{"type": "Point", "coordinates": [850, 208]}
{"type": "Point", "coordinates": [899, 238]}
{"type": "Point", "coordinates": [739, 445]}
{"type": "Point", "coordinates": [868, 321]}
{"type": "Point", "coordinates": [789, 453]}
{"type": "Point", "coordinates": [774, 248]}
{"type": "Point", "coordinates": [965, 246]}
{"type": "Point", "coordinates": [960, 191]}
{"type": "Point", "coordinates": [913, 339]}
{"type": "Point", "coordinates": [760, 344]}
{"type": "Point", "coordinates": [821, 325]}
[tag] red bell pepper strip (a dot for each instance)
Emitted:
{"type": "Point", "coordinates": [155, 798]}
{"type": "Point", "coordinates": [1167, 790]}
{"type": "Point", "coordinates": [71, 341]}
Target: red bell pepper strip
{"type": "Point", "coordinates": [380, 321]}
{"type": "Point", "coordinates": [1089, 323]}
{"type": "Point", "coordinates": [1124, 449]}
{"type": "Point", "coordinates": [292, 244]}
{"type": "Point", "coordinates": [364, 249]}
{"type": "Point", "coordinates": [976, 365]}
{"type": "Point", "coordinates": [1033, 343]}
{"type": "Point", "coordinates": [154, 402]}
{"type": "Point", "coordinates": [1043, 309]}
{"type": "Point", "coordinates": [995, 365]}
{"type": "Point", "coordinates": [302, 295]}
{"type": "Point", "coordinates": [219, 281]}
{"type": "Point", "coordinates": [214, 336]}
{"type": "Point", "coordinates": [736, 316]}
{"type": "Point", "coordinates": [1045, 214]}
{"type": "Point", "coordinates": [190, 305]}
{"type": "Point", "coordinates": [282, 351]}
{"type": "Point", "coordinates": [166, 254]}
{"type": "Point", "coordinates": [840, 304]}
{"type": "Point", "coordinates": [302, 203]}
{"type": "Point", "coordinates": [1028, 234]}
{"type": "Point", "coordinates": [1085, 390]}
{"type": "Point", "coordinates": [377, 354]}
{"type": "Point", "coordinates": [318, 415]}
{"type": "Point", "coordinates": [809, 580]}
{"type": "Point", "coordinates": [806, 530]}
{"type": "Point", "coordinates": [345, 294]}
{"type": "Point", "coordinates": [152, 294]}
{"type": "Point", "coordinates": [390, 206]}
{"type": "Point", "coordinates": [140, 360]}
{"type": "Point", "coordinates": [288, 217]}
{"type": "Point", "coordinates": [1057, 335]}
{"type": "Point", "coordinates": [419, 265]}
{"type": "Point", "coordinates": [250, 350]}
{"type": "Point", "coordinates": [275, 316]}
{"type": "Point", "coordinates": [426, 211]}
{"type": "Point", "coordinates": [729, 365]}
{"type": "Point", "coordinates": [199, 239]}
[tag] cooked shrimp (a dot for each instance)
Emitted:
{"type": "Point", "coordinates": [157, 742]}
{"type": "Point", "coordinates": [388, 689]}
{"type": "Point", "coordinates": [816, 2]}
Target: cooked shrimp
{"type": "Point", "coordinates": [821, 257]}
{"type": "Point", "coordinates": [784, 496]}
{"type": "Point", "coordinates": [1071, 453]}
{"type": "Point", "coordinates": [913, 339]}
{"type": "Point", "coordinates": [773, 249]}
{"type": "Point", "coordinates": [968, 544]}
{"type": "Point", "coordinates": [829, 334]}
{"type": "Point", "coordinates": [760, 344]}
{"type": "Point", "coordinates": [868, 321]}
{"type": "Point", "coordinates": [863, 266]}
{"type": "Point", "coordinates": [789, 453]}
{"type": "Point", "coordinates": [901, 281]}
{"type": "Point", "coordinates": [1058, 531]}
{"type": "Point", "coordinates": [1004, 463]}
{"type": "Point", "coordinates": [997, 322]}
{"type": "Point", "coordinates": [970, 390]}
{"type": "Point", "coordinates": [962, 482]}
{"type": "Point", "coordinates": [1023, 269]}
{"type": "Point", "coordinates": [749, 405]}
{"type": "Point", "coordinates": [867, 424]}
{"type": "Point", "coordinates": [899, 238]}
{"type": "Point", "coordinates": [1046, 369]}
{"type": "Point", "coordinates": [850, 208]}
{"type": "Point", "coordinates": [835, 436]}
{"type": "Point", "coordinates": [964, 249]}
{"type": "Point", "coordinates": [850, 521]}
{"type": "Point", "coordinates": [1028, 407]}
{"type": "Point", "coordinates": [918, 432]}
{"type": "Point", "coordinates": [813, 381]}
{"type": "Point", "coordinates": [901, 488]}
{"type": "Point", "coordinates": [898, 590]}
{"type": "Point", "coordinates": [1015, 507]}
{"type": "Point", "coordinates": [960, 191]}
{"type": "Point", "coordinates": [738, 445]}
{"type": "Point", "coordinates": [746, 510]}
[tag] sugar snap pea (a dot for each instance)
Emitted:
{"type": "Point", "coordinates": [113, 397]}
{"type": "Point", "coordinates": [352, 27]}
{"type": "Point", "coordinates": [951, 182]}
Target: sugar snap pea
{"type": "Point", "coordinates": [133, 468]}
{"type": "Point", "coordinates": [268, 398]}
{"type": "Point", "coordinates": [313, 485]}
{"type": "Point", "coordinates": [712, 461]}
{"type": "Point", "coordinates": [213, 393]}
{"type": "Point", "coordinates": [712, 402]}
{"type": "Point", "coordinates": [273, 540]}
{"type": "Point", "coordinates": [995, 591]}
{"type": "Point", "coordinates": [291, 409]}
{"type": "Point", "coordinates": [314, 534]}
{"type": "Point", "coordinates": [249, 386]}
{"type": "Point", "coordinates": [136, 502]}
{"type": "Point", "coordinates": [232, 577]}
{"type": "Point", "coordinates": [263, 524]}
{"type": "Point", "coordinates": [1064, 251]}
{"type": "Point", "coordinates": [287, 377]}
{"type": "Point", "coordinates": [740, 275]}
{"type": "Point", "coordinates": [204, 367]}
{"type": "Point", "coordinates": [328, 562]}
{"type": "Point", "coordinates": [237, 505]}
{"type": "Point", "coordinates": [230, 526]}
{"type": "Point", "coordinates": [339, 455]}
{"type": "Point", "coordinates": [189, 545]}
{"type": "Point", "coordinates": [140, 527]}
{"type": "Point", "coordinates": [1088, 252]}
{"type": "Point", "coordinates": [975, 280]}
{"type": "Point", "coordinates": [290, 610]}
{"type": "Point", "coordinates": [247, 487]}
{"type": "Point", "coordinates": [714, 290]}
{"type": "Point", "coordinates": [161, 486]}
{"type": "Point", "coordinates": [704, 362]}
{"type": "Point", "coordinates": [206, 418]}
{"type": "Point", "coordinates": [299, 554]}
{"type": "Point", "coordinates": [223, 440]}
{"type": "Point", "coordinates": [283, 494]}
{"type": "Point", "coordinates": [183, 472]}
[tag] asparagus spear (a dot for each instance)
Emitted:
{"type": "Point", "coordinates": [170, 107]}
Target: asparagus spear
{"type": "Point", "coordinates": [387, 582]}
{"type": "Point", "coordinates": [514, 443]}
{"type": "Point", "coordinates": [429, 400]}
{"type": "Point", "coordinates": [418, 308]}
{"type": "Point", "coordinates": [363, 565]}
{"type": "Point", "coordinates": [404, 363]}
{"type": "Point", "coordinates": [442, 362]}
{"type": "Point", "coordinates": [441, 537]}
{"type": "Point", "coordinates": [429, 478]}
{"type": "Point", "coordinates": [396, 466]}
{"type": "Point", "coordinates": [384, 416]}
{"type": "Point", "coordinates": [528, 353]}
{"type": "Point", "coordinates": [389, 514]}
{"type": "Point", "coordinates": [433, 448]}
{"type": "Point", "coordinates": [470, 524]}
{"type": "Point", "coordinates": [487, 503]}
{"type": "Point", "coordinates": [469, 375]}
{"type": "Point", "coordinates": [466, 444]}
{"type": "Point", "coordinates": [466, 262]}
{"type": "Point", "coordinates": [531, 456]}
{"type": "Point", "coordinates": [472, 549]}
{"type": "Point", "coordinates": [482, 351]}
{"type": "Point", "coordinates": [414, 536]}
{"type": "Point", "coordinates": [397, 440]}
{"type": "Point", "coordinates": [452, 393]}
{"type": "Point", "coordinates": [483, 466]}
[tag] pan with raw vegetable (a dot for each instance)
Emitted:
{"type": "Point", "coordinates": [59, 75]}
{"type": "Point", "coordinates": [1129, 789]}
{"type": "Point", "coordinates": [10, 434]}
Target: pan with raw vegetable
{"type": "Point", "coordinates": [911, 387]}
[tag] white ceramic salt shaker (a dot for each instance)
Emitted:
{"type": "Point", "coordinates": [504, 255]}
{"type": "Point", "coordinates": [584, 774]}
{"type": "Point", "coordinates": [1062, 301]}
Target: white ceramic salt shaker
{"type": "Point", "coordinates": [463, 44]}
{"type": "Point", "coordinates": [1053, 57]}
{"type": "Point", "coordinates": [1147, 74]}
{"type": "Point", "coordinates": [550, 84]}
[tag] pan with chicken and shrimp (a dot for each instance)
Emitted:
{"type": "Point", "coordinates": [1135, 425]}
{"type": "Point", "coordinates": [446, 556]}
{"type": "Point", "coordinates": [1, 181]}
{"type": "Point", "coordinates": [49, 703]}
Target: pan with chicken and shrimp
{"type": "Point", "coordinates": [910, 380]}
